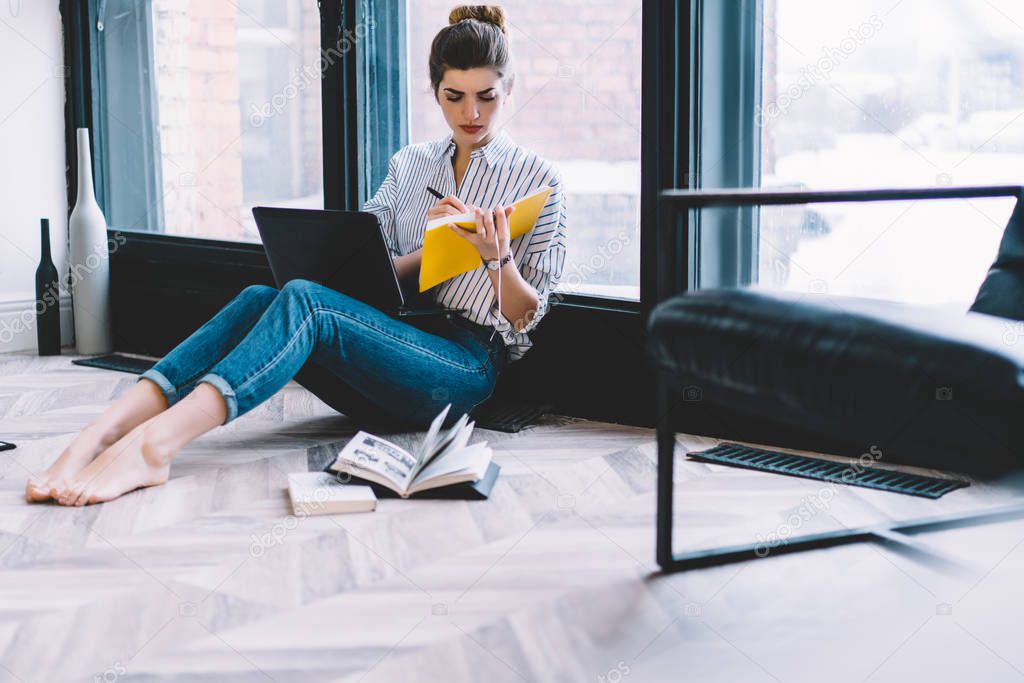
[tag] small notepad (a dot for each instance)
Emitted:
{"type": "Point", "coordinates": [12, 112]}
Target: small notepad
{"type": "Point", "coordinates": [446, 254]}
{"type": "Point", "coordinates": [320, 493]}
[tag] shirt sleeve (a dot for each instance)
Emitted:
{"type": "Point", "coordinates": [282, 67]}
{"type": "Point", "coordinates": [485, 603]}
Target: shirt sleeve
{"type": "Point", "coordinates": [543, 260]}
{"type": "Point", "coordinates": [383, 205]}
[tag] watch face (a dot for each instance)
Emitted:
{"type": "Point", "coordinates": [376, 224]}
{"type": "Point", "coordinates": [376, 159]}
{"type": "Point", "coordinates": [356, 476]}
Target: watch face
{"type": "Point", "coordinates": [496, 264]}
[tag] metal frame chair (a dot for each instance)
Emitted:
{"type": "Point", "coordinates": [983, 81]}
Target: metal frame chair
{"type": "Point", "coordinates": [673, 203]}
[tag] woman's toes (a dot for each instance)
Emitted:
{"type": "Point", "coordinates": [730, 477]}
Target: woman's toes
{"type": "Point", "coordinates": [83, 496]}
{"type": "Point", "coordinates": [93, 497]}
{"type": "Point", "coordinates": [68, 494]}
{"type": "Point", "coordinates": [56, 488]}
{"type": "Point", "coordinates": [35, 487]}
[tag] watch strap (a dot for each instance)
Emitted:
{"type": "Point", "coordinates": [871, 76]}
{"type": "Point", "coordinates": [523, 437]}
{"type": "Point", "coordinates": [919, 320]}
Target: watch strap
{"type": "Point", "coordinates": [504, 259]}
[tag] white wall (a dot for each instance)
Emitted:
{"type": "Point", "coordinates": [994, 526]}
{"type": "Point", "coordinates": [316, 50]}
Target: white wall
{"type": "Point", "coordinates": [32, 162]}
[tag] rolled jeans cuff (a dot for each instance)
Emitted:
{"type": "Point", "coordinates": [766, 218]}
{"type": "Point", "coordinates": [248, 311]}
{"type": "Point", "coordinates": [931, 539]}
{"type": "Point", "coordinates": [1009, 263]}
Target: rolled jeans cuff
{"type": "Point", "coordinates": [221, 385]}
{"type": "Point", "coordinates": [166, 386]}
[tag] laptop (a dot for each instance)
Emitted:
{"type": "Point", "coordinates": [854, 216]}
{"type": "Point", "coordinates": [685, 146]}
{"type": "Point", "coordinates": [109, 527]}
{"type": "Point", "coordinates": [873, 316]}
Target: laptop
{"type": "Point", "coordinates": [343, 250]}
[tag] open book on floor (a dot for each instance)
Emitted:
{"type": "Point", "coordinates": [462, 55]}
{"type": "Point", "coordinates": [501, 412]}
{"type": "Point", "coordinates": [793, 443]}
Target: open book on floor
{"type": "Point", "coordinates": [444, 464]}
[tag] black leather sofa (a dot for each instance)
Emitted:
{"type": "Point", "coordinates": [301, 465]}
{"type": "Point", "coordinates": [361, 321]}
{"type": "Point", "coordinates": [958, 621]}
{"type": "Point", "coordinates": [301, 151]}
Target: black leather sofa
{"type": "Point", "coordinates": [922, 385]}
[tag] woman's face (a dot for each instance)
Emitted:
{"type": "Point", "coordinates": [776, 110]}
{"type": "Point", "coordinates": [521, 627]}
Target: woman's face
{"type": "Point", "coordinates": [471, 100]}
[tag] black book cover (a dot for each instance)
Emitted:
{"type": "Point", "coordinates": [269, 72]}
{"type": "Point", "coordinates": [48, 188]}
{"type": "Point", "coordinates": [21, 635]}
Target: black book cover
{"type": "Point", "coordinates": [467, 490]}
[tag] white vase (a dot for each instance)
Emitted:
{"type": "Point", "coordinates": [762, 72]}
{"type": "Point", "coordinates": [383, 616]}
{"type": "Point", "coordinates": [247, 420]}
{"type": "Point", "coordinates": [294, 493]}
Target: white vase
{"type": "Point", "coordinates": [89, 262]}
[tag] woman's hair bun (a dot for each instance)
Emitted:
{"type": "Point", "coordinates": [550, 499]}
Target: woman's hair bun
{"type": "Point", "coordinates": [470, 41]}
{"type": "Point", "coordinates": [489, 14]}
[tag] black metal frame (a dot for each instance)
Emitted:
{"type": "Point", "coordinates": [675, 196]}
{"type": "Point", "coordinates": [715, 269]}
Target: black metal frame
{"type": "Point", "coordinates": [339, 93]}
{"type": "Point", "coordinates": [78, 95]}
{"type": "Point", "coordinates": [728, 41]}
{"type": "Point", "coordinates": [667, 116]}
{"type": "Point", "coordinates": [677, 204]}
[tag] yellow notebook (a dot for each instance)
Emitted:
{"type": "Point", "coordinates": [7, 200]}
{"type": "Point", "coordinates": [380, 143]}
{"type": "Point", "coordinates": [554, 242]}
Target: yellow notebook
{"type": "Point", "coordinates": [446, 254]}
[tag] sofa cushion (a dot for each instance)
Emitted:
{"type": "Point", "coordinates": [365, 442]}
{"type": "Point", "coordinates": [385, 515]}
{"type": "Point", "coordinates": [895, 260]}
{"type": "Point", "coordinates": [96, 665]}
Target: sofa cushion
{"type": "Point", "coordinates": [1002, 292]}
{"type": "Point", "coordinates": [924, 386]}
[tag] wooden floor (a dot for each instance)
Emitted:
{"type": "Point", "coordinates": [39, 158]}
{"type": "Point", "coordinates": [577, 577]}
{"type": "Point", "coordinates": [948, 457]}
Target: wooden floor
{"type": "Point", "coordinates": [208, 578]}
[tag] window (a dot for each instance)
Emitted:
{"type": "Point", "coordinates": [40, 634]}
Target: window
{"type": "Point", "coordinates": [576, 102]}
{"type": "Point", "coordinates": [327, 143]}
{"type": "Point", "coordinates": [886, 93]}
{"type": "Point", "coordinates": [226, 116]}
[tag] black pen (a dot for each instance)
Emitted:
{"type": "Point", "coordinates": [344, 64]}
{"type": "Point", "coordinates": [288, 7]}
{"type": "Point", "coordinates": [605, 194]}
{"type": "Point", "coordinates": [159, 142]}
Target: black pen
{"type": "Point", "coordinates": [434, 192]}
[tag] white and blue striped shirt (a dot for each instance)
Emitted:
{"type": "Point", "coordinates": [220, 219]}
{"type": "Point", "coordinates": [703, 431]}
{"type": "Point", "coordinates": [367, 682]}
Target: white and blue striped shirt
{"type": "Point", "coordinates": [500, 172]}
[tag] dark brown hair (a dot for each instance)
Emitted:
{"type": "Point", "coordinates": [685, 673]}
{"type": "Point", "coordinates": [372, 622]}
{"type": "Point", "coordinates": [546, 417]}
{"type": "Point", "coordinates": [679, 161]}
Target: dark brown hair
{"type": "Point", "coordinates": [476, 36]}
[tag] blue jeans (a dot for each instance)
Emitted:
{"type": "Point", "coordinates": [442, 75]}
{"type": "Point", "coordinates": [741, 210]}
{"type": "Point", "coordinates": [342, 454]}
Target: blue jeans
{"type": "Point", "coordinates": [355, 358]}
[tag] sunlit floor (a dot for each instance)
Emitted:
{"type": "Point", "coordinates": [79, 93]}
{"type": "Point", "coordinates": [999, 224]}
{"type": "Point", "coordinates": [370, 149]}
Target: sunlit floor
{"type": "Point", "coordinates": [553, 579]}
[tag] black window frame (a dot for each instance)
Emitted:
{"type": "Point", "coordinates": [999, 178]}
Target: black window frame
{"type": "Point", "coordinates": [165, 286]}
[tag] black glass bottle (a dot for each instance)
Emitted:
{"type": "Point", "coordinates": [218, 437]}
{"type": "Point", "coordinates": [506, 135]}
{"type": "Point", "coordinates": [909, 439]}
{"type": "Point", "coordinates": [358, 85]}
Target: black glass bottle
{"type": "Point", "coordinates": [47, 303]}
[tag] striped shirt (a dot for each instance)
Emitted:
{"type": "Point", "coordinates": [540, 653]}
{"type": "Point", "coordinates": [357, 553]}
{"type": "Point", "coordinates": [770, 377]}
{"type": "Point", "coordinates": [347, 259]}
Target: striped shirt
{"type": "Point", "coordinates": [500, 172]}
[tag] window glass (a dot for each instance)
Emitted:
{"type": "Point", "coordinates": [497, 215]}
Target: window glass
{"type": "Point", "coordinates": [232, 113]}
{"type": "Point", "coordinates": [880, 93]}
{"type": "Point", "coordinates": [576, 102]}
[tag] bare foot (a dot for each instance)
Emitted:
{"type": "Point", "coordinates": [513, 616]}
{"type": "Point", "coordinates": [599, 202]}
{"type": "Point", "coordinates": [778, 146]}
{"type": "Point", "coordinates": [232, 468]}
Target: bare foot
{"type": "Point", "coordinates": [89, 443]}
{"type": "Point", "coordinates": [137, 460]}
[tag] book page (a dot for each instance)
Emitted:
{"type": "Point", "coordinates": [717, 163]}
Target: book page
{"type": "Point", "coordinates": [379, 456]}
{"type": "Point", "coordinates": [468, 220]}
{"type": "Point", "coordinates": [453, 439]}
{"type": "Point", "coordinates": [448, 460]}
{"type": "Point", "coordinates": [467, 464]}
{"type": "Point", "coordinates": [429, 443]}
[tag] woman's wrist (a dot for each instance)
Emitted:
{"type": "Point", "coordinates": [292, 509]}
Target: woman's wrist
{"type": "Point", "coordinates": [491, 254]}
{"type": "Point", "coordinates": [407, 266]}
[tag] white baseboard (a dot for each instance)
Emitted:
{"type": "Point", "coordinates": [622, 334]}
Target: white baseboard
{"type": "Point", "coordinates": [18, 325]}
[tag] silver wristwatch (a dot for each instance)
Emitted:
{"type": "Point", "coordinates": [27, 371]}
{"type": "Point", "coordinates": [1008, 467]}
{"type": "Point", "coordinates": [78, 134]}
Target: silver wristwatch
{"type": "Point", "coordinates": [495, 264]}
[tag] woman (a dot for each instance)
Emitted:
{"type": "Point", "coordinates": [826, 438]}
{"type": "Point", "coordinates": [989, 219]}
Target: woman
{"type": "Point", "coordinates": [357, 359]}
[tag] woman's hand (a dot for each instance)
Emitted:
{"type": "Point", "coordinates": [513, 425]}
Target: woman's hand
{"type": "Point", "coordinates": [449, 206]}
{"type": "Point", "coordinates": [491, 238]}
